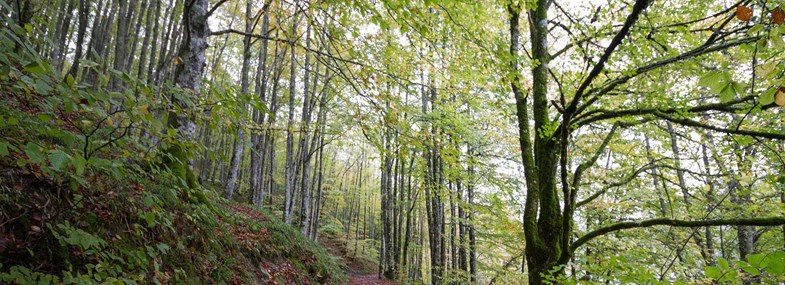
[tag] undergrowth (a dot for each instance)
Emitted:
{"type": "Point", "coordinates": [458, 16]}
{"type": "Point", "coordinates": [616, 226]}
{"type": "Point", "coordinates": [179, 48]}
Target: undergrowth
{"type": "Point", "coordinates": [83, 199]}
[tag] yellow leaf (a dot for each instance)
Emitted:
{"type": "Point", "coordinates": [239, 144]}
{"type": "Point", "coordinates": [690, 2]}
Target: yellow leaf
{"type": "Point", "coordinates": [779, 98]}
{"type": "Point", "coordinates": [143, 110]}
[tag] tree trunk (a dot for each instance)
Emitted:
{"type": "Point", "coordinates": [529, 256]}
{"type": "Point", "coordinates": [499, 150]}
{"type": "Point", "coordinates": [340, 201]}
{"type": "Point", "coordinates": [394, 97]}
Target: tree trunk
{"type": "Point", "coordinates": [150, 15]}
{"type": "Point", "coordinates": [188, 76]}
{"type": "Point", "coordinates": [290, 167]}
{"type": "Point", "coordinates": [305, 156]}
{"type": "Point", "coordinates": [470, 215]}
{"type": "Point", "coordinates": [84, 11]}
{"type": "Point", "coordinates": [258, 138]}
{"type": "Point", "coordinates": [239, 142]}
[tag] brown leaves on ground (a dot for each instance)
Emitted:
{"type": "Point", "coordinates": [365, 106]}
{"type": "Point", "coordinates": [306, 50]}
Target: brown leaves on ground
{"type": "Point", "coordinates": [353, 265]}
{"type": "Point", "coordinates": [278, 272]}
{"type": "Point", "coordinates": [248, 212]}
{"type": "Point", "coordinates": [370, 279]}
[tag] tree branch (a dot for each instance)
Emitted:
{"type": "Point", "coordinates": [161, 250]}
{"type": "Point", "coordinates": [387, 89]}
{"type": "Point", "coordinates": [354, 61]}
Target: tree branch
{"type": "Point", "coordinates": [626, 180]}
{"type": "Point", "coordinates": [604, 114]}
{"type": "Point", "coordinates": [637, 9]}
{"type": "Point", "coordinates": [691, 123]}
{"type": "Point", "coordinates": [770, 221]}
{"type": "Point", "coordinates": [215, 7]}
{"type": "Point", "coordinates": [698, 51]}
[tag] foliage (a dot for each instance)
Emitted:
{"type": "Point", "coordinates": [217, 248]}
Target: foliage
{"type": "Point", "coordinates": [85, 199]}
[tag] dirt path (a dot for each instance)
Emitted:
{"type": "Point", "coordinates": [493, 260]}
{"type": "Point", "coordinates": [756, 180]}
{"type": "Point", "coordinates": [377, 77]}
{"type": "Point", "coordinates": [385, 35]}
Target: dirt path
{"type": "Point", "coordinates": [371, 279]}
{"type": "Point", "coordinates": [354, 268]}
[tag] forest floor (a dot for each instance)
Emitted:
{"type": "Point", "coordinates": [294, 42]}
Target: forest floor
{"type": "Point", "coordinates": [356, 270]}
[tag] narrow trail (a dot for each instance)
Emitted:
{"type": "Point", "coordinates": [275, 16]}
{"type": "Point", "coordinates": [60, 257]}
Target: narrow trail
{"type": "Point", "coordinates": [354, 267]}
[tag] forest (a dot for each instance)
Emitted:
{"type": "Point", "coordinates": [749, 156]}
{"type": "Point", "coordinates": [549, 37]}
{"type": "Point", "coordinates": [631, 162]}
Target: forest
{"type": "Point", "coordinates": [392, 142]}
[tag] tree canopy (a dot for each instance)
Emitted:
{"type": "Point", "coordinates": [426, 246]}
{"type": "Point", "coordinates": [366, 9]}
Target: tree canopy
{"type": "Point", "coordinates": [444, 142]}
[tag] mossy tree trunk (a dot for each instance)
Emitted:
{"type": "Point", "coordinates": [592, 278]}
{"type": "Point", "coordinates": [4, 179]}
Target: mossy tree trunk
{"type": "Point", "coordinates": [188, 76]}
{"type": "Point", "coordinates": [548, 218]}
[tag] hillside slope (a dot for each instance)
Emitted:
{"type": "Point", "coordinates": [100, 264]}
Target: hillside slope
{"type": "Point", "coordinates": [84, 199]}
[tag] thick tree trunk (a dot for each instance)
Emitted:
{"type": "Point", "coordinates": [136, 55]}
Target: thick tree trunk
{"type": "Point", "coordinates": [188, 76]}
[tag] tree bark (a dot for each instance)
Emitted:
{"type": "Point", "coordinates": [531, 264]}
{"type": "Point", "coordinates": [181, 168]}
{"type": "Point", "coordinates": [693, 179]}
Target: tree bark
{"type": "Point", "coordinates": [188, 76]}
{"type": "Point", "coordinates": [239, 143]}
{"type": "Point", "coordinates": [84, 11]}
{"type": "Point", "coordinates": [290, 167]}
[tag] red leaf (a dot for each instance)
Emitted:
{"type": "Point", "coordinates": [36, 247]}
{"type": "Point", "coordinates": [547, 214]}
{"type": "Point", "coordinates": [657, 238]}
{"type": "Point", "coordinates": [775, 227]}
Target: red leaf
{"type": "Point", "coordinates": [778, 15]}
{"type": "Point", "coordinates": [743, 13]}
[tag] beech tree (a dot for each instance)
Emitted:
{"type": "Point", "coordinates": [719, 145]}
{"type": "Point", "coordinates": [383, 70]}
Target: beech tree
{"type": "Point", "coordinates": [546, 139]}
{"type": "Point", "coordinates": [446, 142]}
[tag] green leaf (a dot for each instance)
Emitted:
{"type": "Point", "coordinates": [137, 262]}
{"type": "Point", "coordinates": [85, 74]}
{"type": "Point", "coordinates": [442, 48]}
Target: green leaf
{"type": "Point", "coordinates": [34, 153]}
{"type": "Point", "coordinates": [775, 263]}
{"type": "Point", "coordinates": [749, 269]}
{"type": "Point", "coordinates": [755, 259]}
{"type": "Point", "coordinates": [730, 91]}
{"type": "Point", "coordinates": [714, 80]}
{"type": "Point", "coordinates": [44, 118]}
{"type": "Point", "coordinates": [767, 97]}
{"type": "Point", "coordinates": [58, 158]}
{"type": "Point", "coordinates": [3, 149]}
{"type": "Point", "coordinates": [35, 67]}
{"type": "Point", "coordinates": [755, 29]}
{"type": "Point", "coordinates": [79, 164]}
{"type": "Point", "coordinates": [162, 247]}
{"type": "Point", "coordinates": [713, 272]}
{"type": "Point", "coordinates": [70, 80]}
{"type": "Point", "coordinates": [722, 263]}
{"type": "Point", "coordinates": [777, 42]}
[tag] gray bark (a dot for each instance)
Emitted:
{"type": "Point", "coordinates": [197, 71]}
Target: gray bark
{"type": "Point", "coordinates": [84, 11]}
{"type": "Point", "coordinates": [188, 75]}
{"type": "Point", "coordinates": [305, 156]}
{"type": "Point", "coordinates": [239, 142]}
{"type": "Point", "coordinates": [289, 184]}
{"type": "Point", "coordinates": [259, 138]}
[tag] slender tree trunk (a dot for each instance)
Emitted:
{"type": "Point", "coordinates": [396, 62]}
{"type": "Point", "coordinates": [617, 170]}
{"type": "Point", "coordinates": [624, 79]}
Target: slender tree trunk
{"type": "Point", "coordinates": [710, 200]}
{"type": "Point", "coordinates": [319, 183]}
{"type": "Point", "coordinates": [471, 214]}
{"type": "Point", "coordinates": [239, 142]}
{"type": "Point", "coordinates": [61, 33]}
{"type": "Point", "coordinates": [121, 39]}
{"type": "Point", "coordinates": [305, 156]}
{"type": "Point", "coordinates": [84, 11]}
{"type": "Point", "coordinates": [269, 142]}
{"type": "Point", "coordinates": [154, 45]}
{"type": "Point", "coordinates": [150, 14]}
{"type": "Point", "coordinates": [258, 138]}
{"type": "Point", "coordinates": [290, 167]}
